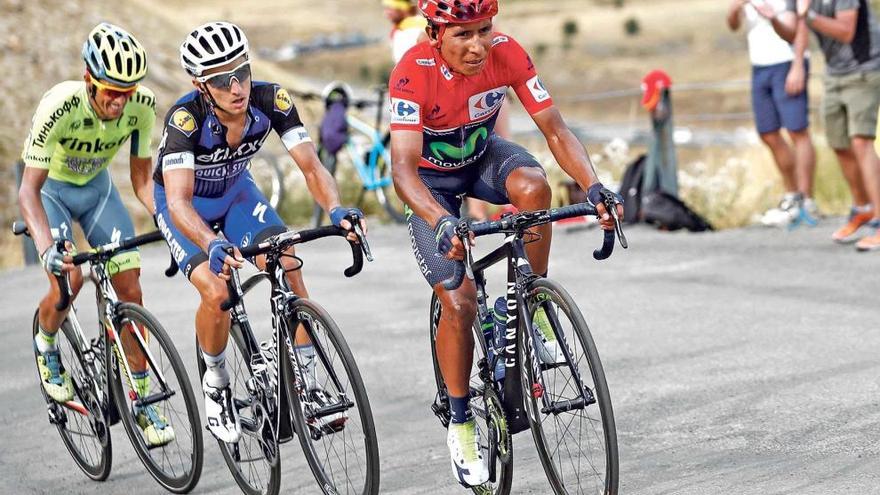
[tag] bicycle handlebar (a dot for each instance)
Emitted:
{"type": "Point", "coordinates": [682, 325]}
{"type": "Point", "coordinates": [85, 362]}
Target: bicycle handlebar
{"type": "Point", "coordinates": [284, 240]}
{"type": "Point", "coordinates": [519, 222]}
{"type": "Point", "coordinates": [104, 251]}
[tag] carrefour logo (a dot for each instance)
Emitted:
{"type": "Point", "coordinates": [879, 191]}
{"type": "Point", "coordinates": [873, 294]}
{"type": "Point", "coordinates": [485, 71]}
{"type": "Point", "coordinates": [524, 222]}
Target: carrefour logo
{"type": "Point", "coordinates": [483, 104]}
{"type": "Point", "coordinates": [536, 87]}
{"type": "Point", "coordinates": [404, 111]}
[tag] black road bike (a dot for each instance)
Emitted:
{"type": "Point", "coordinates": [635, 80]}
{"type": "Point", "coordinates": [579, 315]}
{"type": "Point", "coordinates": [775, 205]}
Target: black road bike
{"type": "Point", "coordinates": [104, 390]}
{"type": "Point", "coordinates": [567, 405]}
{"type": "Point", "coordinates": [270, 391]}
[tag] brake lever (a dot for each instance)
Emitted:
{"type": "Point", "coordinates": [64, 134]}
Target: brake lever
{"type": "Point", "coordinates": [463, 233]}
{"type": "Point", "coordinates": [611, 206]}
{"type": "Point", "coordinates": [362, 239]}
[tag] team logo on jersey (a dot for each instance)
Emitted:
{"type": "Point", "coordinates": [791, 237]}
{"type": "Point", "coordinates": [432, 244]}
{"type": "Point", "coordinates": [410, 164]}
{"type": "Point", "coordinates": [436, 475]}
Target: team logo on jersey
{"type": "Point", "coordinates": [536, 87]}
{"type": "Point", "coordinates": [404, 111]}
{"type": "Point", "coordinates": [446, 72]}
{"type": "Point", "coordinates": [283, 102]}
{"type": "Point", "coordinates": [183, 121]}
{"type": "Point", "coordinates": [485, 103]}
{"type": "Point", "coordinates": [426, 62]}
{"type": "Point", "coordinates": [132, 120]}
{"type": "Point", "coordinates": [401, 85]}
{"type": "Point", "coordinates": [499, 39]}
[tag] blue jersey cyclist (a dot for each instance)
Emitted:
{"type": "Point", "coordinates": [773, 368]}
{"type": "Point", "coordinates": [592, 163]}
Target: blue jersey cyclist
{"type": "Point", "coordinates": [445, 97]}
{"type": "Point", "coordinates": [78, 128]}
{"type": "Point", "coordinates": [201, 177]}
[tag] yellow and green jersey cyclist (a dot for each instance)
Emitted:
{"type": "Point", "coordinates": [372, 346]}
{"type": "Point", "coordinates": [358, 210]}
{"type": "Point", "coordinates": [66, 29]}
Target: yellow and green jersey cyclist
{"type": "Point", "coordinates": [77, 129]}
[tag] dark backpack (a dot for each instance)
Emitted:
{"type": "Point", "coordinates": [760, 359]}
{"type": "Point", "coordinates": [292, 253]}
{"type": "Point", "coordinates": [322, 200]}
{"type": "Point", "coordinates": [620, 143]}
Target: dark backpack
{"type": "Point", "coordinates": [631, 189]}
{"type": "Point", "coordinates": [670, 213]}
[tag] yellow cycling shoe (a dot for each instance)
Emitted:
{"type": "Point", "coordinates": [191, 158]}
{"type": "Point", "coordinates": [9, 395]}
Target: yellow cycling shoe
{"type": "Point", "coordinates": [156, 429]}
{"type": "Point", "coordinates": [56, 380]}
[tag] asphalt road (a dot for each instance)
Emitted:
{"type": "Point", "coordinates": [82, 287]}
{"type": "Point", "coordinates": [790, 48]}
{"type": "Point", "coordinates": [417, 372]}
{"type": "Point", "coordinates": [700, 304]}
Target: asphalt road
{"type": "Point", "coordinates": [741, 362]}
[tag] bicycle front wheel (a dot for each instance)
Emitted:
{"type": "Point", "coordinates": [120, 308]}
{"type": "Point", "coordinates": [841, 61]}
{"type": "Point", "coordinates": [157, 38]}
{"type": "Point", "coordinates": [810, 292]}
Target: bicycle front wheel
{"type": "Point", "coordinates": [568, 404]}
{"type": "Point", "coordinates": [175, 464]}
{"type": "Point", "coordinates": [81, 422]}
{"type": "Point", "coordinates": [329, 406]}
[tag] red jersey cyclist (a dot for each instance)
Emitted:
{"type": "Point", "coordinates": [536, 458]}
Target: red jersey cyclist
{"type": "Point", "coordinates": [445, 97]}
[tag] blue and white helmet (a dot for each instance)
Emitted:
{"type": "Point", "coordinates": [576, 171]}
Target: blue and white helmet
{"type": "Point", "coordinates": [212, 45]}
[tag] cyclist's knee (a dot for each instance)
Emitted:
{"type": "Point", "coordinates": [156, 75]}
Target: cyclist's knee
{"type": "Point", "coordinates": [528, 188]}
{"type": "Point", "coordinates": [213, 294]}
{"type": "Point", "coordinates": [129, 290]}
{"type": "Point", "coordinates": [460, 307]}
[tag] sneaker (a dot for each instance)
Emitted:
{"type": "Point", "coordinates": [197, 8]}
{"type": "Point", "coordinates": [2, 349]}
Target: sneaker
{"type": "Point", "coordinates": [871, 242]}
{"type": "Point", "coordinates": [155, 426]}
{"type": "Point", "coordinates": [222, 415]}
{"type": "Point", "coordinates": [319, 398]}
{"type": "Point", "coordinates": [850, 232]}
{"type": "Point", "coordinates": [812, 209]}
{"type": "Point", "coordinates": [549, 351]}
{"type": "Point", "coordinates": [784, 213]}
{"type": "Point", "coordinates": [56, 380]}
{"type": "Point", "coordinates": [468, 466]}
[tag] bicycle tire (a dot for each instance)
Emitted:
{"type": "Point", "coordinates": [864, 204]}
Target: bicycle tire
{"type": "Point", "coordinates": [187, 428]}
{"type": "Point", "coordinates": [238, 363]}
{"type": "Point", "coordinates": [95, 462]}
{"type": "Point", "coordinates": [269, 177]}
{"type": "Point", "coordinates": [313, 437]}
{"type": "Point", "coordinates": [482, 404]}
{"type": "Point", "coordinates": [386, 194]}
{"type": "Point", "coordinates": [580, 343]}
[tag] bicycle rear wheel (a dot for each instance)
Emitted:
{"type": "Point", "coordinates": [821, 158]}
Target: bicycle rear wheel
{"type": "Point", "coordinates": [497, 445]}
{"type": "Point", "coordinates": [81, 422]}
{"type": "Point", "coordinates": [575, 436]}
{"type": "Point", "coordinates": [253, 472]}
{"type": "Point", "coordinates": [176, 465]}
{"type": "Point", "coordinates": [386, 195]}
{"type": "Point", "coordinates": [336, 429]}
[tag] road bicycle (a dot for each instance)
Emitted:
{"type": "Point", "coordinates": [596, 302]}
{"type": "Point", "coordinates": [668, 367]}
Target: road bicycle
{"type": "Point", "coordinates": [566, 405]}
{"type": "Point", "coordinates": [329, 410]}
{"type": "Point", "coordinates": [106, 393]}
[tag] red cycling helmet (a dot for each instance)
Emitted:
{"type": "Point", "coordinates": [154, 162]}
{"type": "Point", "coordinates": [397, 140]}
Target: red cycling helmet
{"type": "Point", "coordinates": [442, 12]}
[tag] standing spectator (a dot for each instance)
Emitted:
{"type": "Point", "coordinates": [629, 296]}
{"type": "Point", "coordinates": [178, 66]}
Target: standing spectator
{"type": "Point", "coordinates": [779, 99]}
{"type": "Point", "coordinates": [849, 37]}
{"type": "Point", "coordinates": [409, 26]}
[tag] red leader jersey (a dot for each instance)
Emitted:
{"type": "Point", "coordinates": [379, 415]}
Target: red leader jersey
{"type": "Point", "coordinates": [455, 113]}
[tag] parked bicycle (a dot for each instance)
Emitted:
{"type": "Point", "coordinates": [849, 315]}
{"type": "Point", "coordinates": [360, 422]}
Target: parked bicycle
{"type": "Point", "coordinates": [104, 390]}
{"type": "Point", "coordinates": [566, 405]}
{"type": "Point", "coordinates": [365, 146]}
{"type": "Point", "coordinates": [328, 410]}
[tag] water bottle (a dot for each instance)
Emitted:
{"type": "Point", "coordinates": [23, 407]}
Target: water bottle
{"type": "Point", "coordinates": [488, 327]}
{"type": "Point", "coordinates": [500, 338]}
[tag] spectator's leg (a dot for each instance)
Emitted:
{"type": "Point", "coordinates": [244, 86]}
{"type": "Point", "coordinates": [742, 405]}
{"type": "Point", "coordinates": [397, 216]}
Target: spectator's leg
{"type": "Point", "coordinates": [850, 167]}
{"type": "Point", "coordinates": [869, 167]}
{"type": "Point", "coordinates": [805, 161]}
{"type": "Point", "coordinates": [784, 158]}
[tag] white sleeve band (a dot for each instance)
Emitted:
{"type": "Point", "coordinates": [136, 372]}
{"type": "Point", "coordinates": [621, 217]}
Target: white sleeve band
{"type": "Point", "coordinates": [295, 136]}
{"type": "Point", "coordinates": [174, 161]}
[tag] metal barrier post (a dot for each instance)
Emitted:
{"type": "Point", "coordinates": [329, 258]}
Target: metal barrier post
{"type": "Point", "coordinates": [31, 257]}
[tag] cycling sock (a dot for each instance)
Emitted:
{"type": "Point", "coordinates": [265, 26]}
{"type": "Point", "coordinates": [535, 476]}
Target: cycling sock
{"type": "Point", "coordinates": [216, 375]}
{"type": "Point", "coordinates": [865, 208]}
{"type": "Point", "coordinates": [141, 382]}
{"type": "Point", "coordinates": [458, 407]}
{"type": "Point", "coordinates": [45, 341]}
{"type": "Point", "coordinates": [306, 355]}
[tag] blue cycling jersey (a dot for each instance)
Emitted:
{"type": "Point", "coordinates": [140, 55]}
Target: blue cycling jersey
{"type": "Point", "coordinates": [194, 138]}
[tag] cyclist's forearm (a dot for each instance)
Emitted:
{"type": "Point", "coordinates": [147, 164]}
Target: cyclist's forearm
{"type": "Point", "coordinates": [142, 182]}
{"type": "Point", "coordinates": [323, 188]}
{"type": "Point", "coordinates": [573, 158]}
{"type": "Point", "coordinates": [190, 223]}
{"type": "Point", "coordinates": [412, 191]}
{"type": "Point", "coordinates": [35, 217]}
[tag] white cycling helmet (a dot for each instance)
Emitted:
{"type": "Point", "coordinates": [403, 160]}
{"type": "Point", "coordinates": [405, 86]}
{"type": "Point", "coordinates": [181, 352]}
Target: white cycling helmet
{"type": "Point", "coordinates": [212, 45]}
{"type": "Point", "coordinates": [339, 87]}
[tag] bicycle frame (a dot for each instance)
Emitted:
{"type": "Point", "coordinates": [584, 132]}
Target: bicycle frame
{"type": "Point", "coordinates": [367, 169]}
{"type": "Point", "coordinates": [519, 279]}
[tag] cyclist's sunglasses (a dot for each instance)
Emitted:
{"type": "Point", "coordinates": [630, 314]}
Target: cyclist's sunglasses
{"type": "Point", "coordinates": [114, 91]}
{"type": "Point", "coordinates": [223, 80]}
